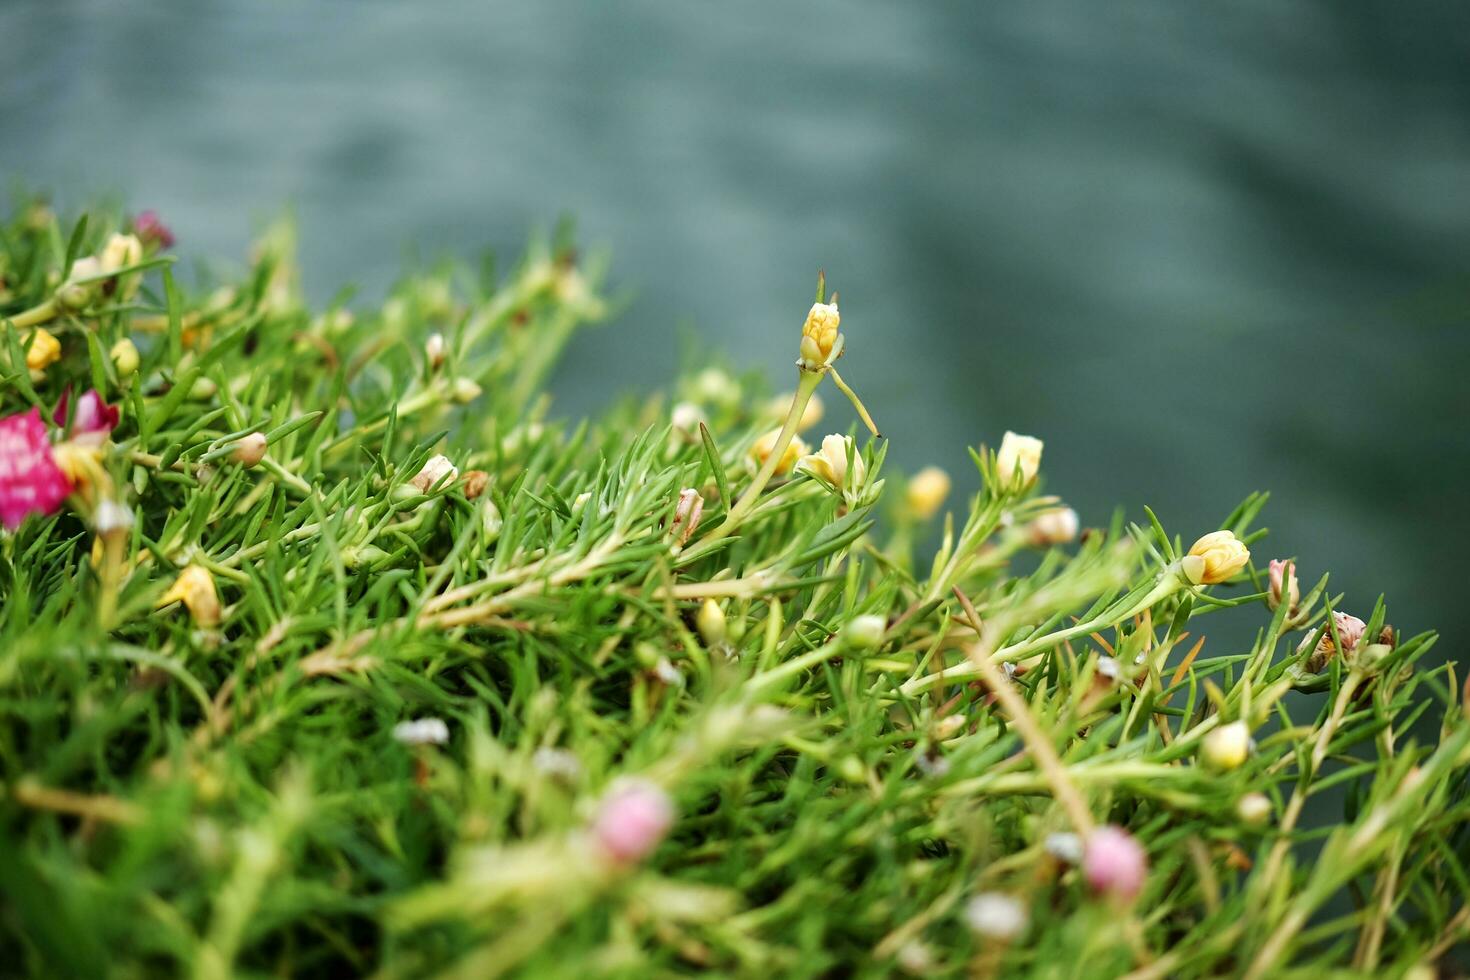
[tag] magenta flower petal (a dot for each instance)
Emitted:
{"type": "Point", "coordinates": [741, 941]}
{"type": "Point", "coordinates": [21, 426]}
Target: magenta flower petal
{"type": "Point", "coordinates": [632, 820]}
{"type": "Point", "coordinates": [1114, 862]}
{"type": "Point", "coordinates": [30, 480]}
{"type": "Point", "coordinates": [94, 416]}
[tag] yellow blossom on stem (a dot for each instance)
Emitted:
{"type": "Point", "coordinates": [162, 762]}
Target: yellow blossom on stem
{"type": "Point", "coordinates": [927, 492]}
{"type": "Point", "coordinates": [1018, 454]}
{"type": "Point", "coordinates": [761, 451]}
{"type": "Point", "coordinates": [44, 350]}
{"type": "Point", "coordinates": [829, 464]}
{"type": "Point", "coordinates": [819, 335]}
{"type": "Point", "coordinates": [1215, 558]}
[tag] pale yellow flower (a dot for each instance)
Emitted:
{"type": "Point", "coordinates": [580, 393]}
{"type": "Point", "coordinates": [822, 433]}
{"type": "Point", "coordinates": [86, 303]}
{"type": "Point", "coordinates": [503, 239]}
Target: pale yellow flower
{"type": "Point", "coordinates": [761, 451]}
{"type": "Point", "coordinates": [1018, 454]}
{"type": "Point", "coordinates": [44, 350]}
{"type": "Point", "coordinates": [1215, 557]}
{"type": "Point", "coordinates": [195, 589]}
{"type": "Point", "coordinates": [1053, 527]}
{"type": "Point", "coordinates": [819, 335]}
{"type": "Point", "coordinates": [927, 492]}
{"type": "Point", "coordinates": [830, 463]}
{"type": "Point", "coordinates": [1226, 747]}
{"type": "Point", "coordinates": [124, 356]}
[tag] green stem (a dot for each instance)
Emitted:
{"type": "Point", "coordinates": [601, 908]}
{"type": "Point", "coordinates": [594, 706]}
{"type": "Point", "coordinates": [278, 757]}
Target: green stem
{"type": "Point", "coordinates": [34, 316]}
{"type": "Point", "coordinates": [805, 387]}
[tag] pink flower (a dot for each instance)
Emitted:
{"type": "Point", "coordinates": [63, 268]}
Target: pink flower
{"type": "Point", "coordinates": [94, 419]}
{"type": "Point", "coordinates": [632, 820]}
{"type": "Point", "coordinates": [1349, 631]}
{"type": "Point", "coordinates": [150, 228]}
{"type": "Point", "coordinates": [30, 480]}
{"type": "Point", "coordinates": [1114, 863]}
{"type": "Point", "coordinates": [1283, 585]}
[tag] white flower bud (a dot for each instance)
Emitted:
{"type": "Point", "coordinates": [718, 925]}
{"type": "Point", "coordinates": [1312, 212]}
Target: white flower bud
{"type": "Point", "coordinates": [250, 450]}
{"type": "Point", "coordinates": [1254, 808]}
{"type": "Point", "coordinates": [1018, 457]}
{"type": "Point", "coordinates": [423, 731]}
{"type": "Point", "coordinates": [995, 915]}
{"type": "Point", "coordinates": [1053, 527]}
{"type": "Point", "coordinates": [436, 472]}
{"type": "Point", "coordinates": [464, 391]}
{"type": "Point", "coordinates": [864, 632]}
{"type": "Point", "coordinates": [434, 349]}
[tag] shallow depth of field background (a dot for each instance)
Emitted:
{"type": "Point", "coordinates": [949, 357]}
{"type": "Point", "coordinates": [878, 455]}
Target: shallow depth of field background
{"type": "Point", "coordinates": [1199, 251]}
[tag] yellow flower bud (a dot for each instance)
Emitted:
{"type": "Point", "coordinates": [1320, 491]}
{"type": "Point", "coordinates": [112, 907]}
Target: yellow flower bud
{"type": "Point", "coordinates": [819, 335]}
{"type": "Point", "coordinates": [195, 589]}
{"type": "Point", "coordinates": [810, 415]}
{"type": "Point", "coordinates": [711, 623]}
{"type": "Point", "coordinates": [830, 464]}
{"type": "Point", "coordinates": [1226, 747]}
{"type": "Point", "coordinates": [761, 451]}
{"type": "Point", "coordinates": [927, 491]}
{"type": "Point", "coordinates": [1053, 527]}
{"type": "Point", "coordinates": [44, 350]}
{"type": "Point", "coordinates": [1254, 808]}
{"type": "Point", "coordinates": [1018, 454]}
{"type": "Point", "coordinates": [1214, 558]}
{"type": "Point", "coordinates": [124, 356]}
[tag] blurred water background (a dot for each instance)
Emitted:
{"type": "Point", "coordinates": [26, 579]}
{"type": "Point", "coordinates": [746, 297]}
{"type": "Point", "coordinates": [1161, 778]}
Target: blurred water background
{"type": "Point", "coordinates": [1199, 249]}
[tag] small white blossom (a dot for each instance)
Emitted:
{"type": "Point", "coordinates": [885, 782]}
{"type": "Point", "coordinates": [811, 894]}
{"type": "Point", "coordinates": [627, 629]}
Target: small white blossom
{"type": "Point", "coordinates": [422, 731]}
{"type": "Point", "coordinates": [995, 915]}
{"type": "Point", "coordinates": [1065, 846]}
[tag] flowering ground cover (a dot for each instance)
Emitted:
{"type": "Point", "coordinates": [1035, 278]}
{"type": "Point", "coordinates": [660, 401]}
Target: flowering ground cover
{"type": "Point", "coordinates": [328, 649]}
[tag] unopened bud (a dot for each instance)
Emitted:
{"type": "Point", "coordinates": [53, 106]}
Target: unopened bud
{"type": "Point", "coordinates": [1114, 862]}
{"type": "Point", "coordinates": [1254, 808]}
{"type": "Point", "coordinates": [1227, 746]}
{"type": "Point", "coordinates": [464, 391]}
{"type": "Point", "coordinates": [711, 623]}
{"type": "Point", "coordinates": [996, 916]}
{"type": "Point", "coordinates": [1018, 459]}
{"type": "Point", "coordinates": [1053, 527]}
{"type": "Point", "coordinates": [438, 470]}
{"type": "Point", "coordinates": [926, 492]}
{"type": "Point", "coordinates": [1283, 587]}
{"type": "Point", "coordinates": [864, 633]}
{"type": "Point", "coordinates": [203, 389]}
{"type": "Point", "coordinates": [475, 482]}
{"type": "Point", "coordinates": [124, 356]}
{"type": "Point", "coordinates": [250, 450]}
{"type": "Point", "coordinates": [687, 513]}
{"type": "Point", "coordinates": [434, 350]}
{"type": "Point", "coordinates": [632, 820]}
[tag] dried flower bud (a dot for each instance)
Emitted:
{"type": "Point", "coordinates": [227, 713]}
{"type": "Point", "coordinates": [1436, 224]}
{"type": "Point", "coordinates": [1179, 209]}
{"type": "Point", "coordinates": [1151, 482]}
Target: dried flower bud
{"type": "Point", "coordinates": [125, 359]}
{"type": "Point", "coordinates": [1226, 746]}
{"type": "Point", "coordinates": [830, 464]}
{"type": "Point", "coordinates": [437, 471]}
{"type": "Point", "coordinates": [996, 915]}
{"type": "Point", "coordinates": [475, 482]}
{"type": "Point", "coordinates": [434, 350]}
{"type": "Point", "coordinates": [1349, 630]}
{"type": "Point", "coordinates": [1283, 586]}
{"type": "Point", "coordinates": [1215, 558]}
{"type": "Point", "coordinates": [195, 589]}
{"type": "Point", "coordinates": [250, 450]}
{"type": "Point", "coordinates": [864, 633]}
{"type": "Point", "coordinates": [1019, 458]}
{"type": "Point", "coordinates": [1114, 863]}
{"type": "Point", "coordinates": [1053, 527]}
{"type": "Point", "coordinates": [43, 350]}
{"type": "Point", "coordinates": [422, 731]}
{"type": "Point", "coordinates": [819, 336]}
{"type": "Point", "coordinates": [1254, 809]}
{"type": "Point", "coordinates": [711, 623]}
{"type": "Point", "coordinates": [761, 451]}
{"type": "Point", "coordinates": [926, 492]}
{"type": "Point", "coordinates": [687, 513]}
{"type": "Point", "coordinates": [633, 820]}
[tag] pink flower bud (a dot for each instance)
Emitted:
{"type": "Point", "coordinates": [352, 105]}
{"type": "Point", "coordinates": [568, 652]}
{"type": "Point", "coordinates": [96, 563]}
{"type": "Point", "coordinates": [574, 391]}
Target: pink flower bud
{"type": "Point", "coordinates": [1283, 585]}
{"type": "Point", "coordinates": [1349, 630]}
{"type": "Point", "coordinates": [1114, 863]}
{"type": "Point", "coordinates": [632, 820]}
{"type": "Point", "coordinates": [150, 228]}
{"type": "Point", "coordinates": [93, 421]}
{"type": "Point", "coordinates": [30, 480]}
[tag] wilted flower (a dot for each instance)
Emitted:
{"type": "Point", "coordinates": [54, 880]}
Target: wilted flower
{"type": "Point", "coordinates": [422, 731]}
{"type": "Point", "coordinates": [763, 446]}
{"type": "Point", "coordinates": [996, 915]}
{"type": "Point", "coordinates": [92, 421]}
{"type": "Point", "coordinates": [1226, 746]}
{"type": "Point", "coordinates": [1018, 454]}
{"type": "Point", "coordinates": [1053, 527]}
{"type": "Point", "coordinates": [687, 512]}
{"type": "Point", "coordinates": [711, 623]}
{"type": "Point", "coordinates": [1283, 585]}
{"type": "Point", "coordinates": [150, 229]}
{"type": "Point", "coordinates": [819, 336]}
{"type": "Point", "coordinates": [1350, 631]}
{"type": "Point", "coordinates": [1114, 863]}
{"type": "Point", "coordinates": [436, 471]}
{"type": "Point", "coordinates": [475, 482]}
{"type": "Point", "coordinates": [195, 589]}
{"type": "Point", "coordinates": [830, 464]}
{"type": "Point", "coordinates": [31, 481]}
{"type": "Point", "coordinates": [1214, 558]}
{"type": "Point", "coordinates": [926, 492]}
{"type": "Point", "coordinates": [633, 820]}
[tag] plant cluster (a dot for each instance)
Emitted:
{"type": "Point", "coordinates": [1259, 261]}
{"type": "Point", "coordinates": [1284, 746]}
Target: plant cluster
{"type": "Point", "coordinates": [326, 648]}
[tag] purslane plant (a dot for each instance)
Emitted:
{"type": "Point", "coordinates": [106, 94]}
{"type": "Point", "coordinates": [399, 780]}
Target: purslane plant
{"type": "Point", "coordinates": [327, 649]}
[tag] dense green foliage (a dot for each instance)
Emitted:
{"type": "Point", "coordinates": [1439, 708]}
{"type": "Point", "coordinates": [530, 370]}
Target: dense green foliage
{"type": "Point", "coordinates": [190, 793]}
